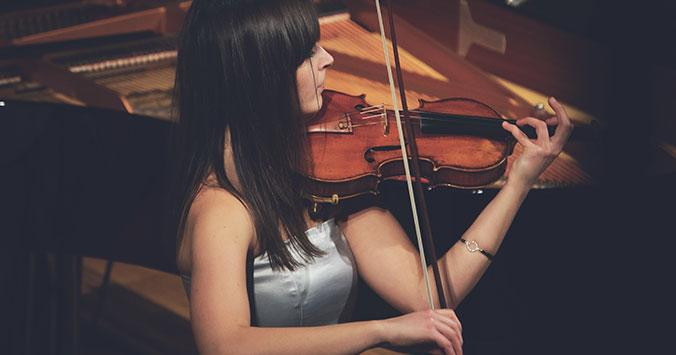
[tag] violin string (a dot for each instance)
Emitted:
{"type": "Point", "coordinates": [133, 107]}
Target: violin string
{"type": "Point", "coordinates": [497, 121]}
{"type": "Point", "coordinates": [372, 116]}
{"type": "Point", "coordinates": [372, 108]}
{"type": "Point", "coordinates": [382, 107]}
{"type": "Point", "coordinates": [402, 144]}
{"type": "Point", "coordinates": [364, 124]}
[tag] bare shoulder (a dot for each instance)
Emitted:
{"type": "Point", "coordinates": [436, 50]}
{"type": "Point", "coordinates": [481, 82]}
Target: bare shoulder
{"type": "Point", "coordinates": [217, 220]}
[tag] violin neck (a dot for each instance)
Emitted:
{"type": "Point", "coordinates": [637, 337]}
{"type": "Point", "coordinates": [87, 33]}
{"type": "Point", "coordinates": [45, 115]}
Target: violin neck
{"type": "Point", "coordinates": [490, 127]}
{"type": "Point", "coordinates": [444, 123]}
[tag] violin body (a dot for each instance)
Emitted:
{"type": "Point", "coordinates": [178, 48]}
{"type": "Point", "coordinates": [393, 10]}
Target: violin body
{"type": "Point", "coordinates": [353, 146]}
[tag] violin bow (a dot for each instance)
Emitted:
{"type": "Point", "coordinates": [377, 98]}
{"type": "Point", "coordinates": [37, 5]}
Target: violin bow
{"type": "Point", "coordinates": [408, 132]}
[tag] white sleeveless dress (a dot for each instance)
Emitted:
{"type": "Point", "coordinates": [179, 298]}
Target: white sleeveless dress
{"type": "Point", "coordinates": [318, 293]}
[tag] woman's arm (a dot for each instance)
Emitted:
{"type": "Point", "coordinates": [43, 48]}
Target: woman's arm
{"type": "Point", "coordinates": [220, 234]}
{"type": "Point", "coordinates": [390, 264]}
{"type": "Point", "coordinates": [488, 230]}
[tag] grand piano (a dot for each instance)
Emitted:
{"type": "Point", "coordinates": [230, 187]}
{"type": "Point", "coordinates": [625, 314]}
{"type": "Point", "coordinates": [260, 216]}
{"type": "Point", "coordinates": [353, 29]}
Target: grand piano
{"type": "Point", "coordinates": [85, 114]}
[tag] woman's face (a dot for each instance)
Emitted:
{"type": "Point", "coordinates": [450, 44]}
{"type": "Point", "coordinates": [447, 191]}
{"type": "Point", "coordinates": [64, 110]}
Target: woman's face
{"type": "Point", "coordinates": [310, 78]}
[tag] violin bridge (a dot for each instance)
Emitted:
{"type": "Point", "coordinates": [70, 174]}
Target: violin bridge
{"type": "Point", "coordinates": [375, 114]}
{"type": "Point", "coordinates": [386, 122]}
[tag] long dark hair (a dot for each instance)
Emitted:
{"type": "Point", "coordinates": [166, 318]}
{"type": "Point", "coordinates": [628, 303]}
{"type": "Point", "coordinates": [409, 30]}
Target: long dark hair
{"type": "Point", "coordinates": [236, 70]}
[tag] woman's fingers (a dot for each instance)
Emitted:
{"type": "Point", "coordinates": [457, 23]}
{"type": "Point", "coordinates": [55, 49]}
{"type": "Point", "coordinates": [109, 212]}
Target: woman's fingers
{"type": "Point", "coordinates": [451, 334]}
{"type": "Point", "coordinates": [449, 325]}
{"type": "Point", "coordinates": [444, 343]}
{"type": "Point", "coordinates": [552, 121]}
{"type": "Point", "coordinates": [540, 152]}
{"type": "Point", "coordinates": [540, 128]}
{"type": "Point", "coordinates": [559, 109]}
{"type": "Point", "coordinates": [520, 137]}
{"type": "Point", "coordinates": [440, 339]}
{"type": "Point", "coordinates": [565, 125]}
{"type": "Point", "coordinates": [450, 318]}
{"type": "Point", "coordinates": [439, 329]}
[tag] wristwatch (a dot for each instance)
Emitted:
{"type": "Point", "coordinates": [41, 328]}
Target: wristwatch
{"type": "Point", "coordinates": [473, 246]}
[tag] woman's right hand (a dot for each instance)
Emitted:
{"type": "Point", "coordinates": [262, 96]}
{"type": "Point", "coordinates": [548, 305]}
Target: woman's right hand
{"type": "Point", "coordinates": [425, 331]}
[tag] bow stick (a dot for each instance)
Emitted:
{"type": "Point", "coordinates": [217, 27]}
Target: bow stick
{"type": "Point", "coordinates": [410, 139]}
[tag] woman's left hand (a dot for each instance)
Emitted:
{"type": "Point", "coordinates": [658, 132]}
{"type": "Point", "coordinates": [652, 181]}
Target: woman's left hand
{"type": "Point", "coordinates": [538, 153]}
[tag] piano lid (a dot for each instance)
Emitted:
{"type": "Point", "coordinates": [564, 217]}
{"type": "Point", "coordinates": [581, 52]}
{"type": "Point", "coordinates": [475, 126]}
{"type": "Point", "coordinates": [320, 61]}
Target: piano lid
{"type": "Point", "coordinates": [49, 21]}
{"type": "Point", "coordinates": [38, 21]}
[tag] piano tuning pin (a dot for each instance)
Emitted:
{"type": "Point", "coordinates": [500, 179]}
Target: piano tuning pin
{"type": "Point", "coordinates": [539, 111]}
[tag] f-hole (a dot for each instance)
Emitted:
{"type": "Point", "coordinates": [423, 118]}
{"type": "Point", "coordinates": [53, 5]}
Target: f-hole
{"type": "Point", "coordinates": [368, 154]}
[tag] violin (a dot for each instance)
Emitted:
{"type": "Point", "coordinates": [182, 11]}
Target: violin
{"type": "Point", "coordinates": [353, 146]}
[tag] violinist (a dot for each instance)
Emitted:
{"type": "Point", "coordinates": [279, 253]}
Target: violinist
{"type": "Point", "coordinates": [261, 276]}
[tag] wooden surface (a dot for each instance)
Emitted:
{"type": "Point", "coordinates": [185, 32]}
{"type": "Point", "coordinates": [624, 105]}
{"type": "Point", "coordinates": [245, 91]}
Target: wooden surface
{"type": "Point", "coordinates": [506, 43]}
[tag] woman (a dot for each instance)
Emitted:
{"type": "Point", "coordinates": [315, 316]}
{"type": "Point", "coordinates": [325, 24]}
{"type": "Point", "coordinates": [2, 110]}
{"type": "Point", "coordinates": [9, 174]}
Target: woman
{"type": "Point", "coordinates": [261, 276]}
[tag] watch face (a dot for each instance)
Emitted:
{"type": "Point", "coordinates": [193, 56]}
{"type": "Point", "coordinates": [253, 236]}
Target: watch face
{"type": "Point", "coordinates": [472, 246]}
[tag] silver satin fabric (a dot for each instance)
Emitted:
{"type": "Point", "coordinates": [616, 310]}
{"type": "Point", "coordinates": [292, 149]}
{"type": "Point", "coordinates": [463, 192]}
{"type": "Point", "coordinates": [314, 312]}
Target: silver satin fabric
{"type": "Point", "coordinates": [318, 293]}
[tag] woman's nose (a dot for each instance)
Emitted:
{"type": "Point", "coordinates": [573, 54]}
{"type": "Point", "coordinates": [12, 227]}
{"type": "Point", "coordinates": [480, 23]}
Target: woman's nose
{"type": "Point", "coordinates": [326, 58]}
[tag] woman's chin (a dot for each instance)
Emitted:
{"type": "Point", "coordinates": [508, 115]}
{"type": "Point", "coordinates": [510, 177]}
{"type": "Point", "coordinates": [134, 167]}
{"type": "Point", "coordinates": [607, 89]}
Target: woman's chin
{"type": "Point", "coordinates": [313, 108]}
